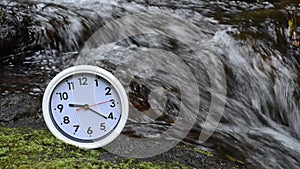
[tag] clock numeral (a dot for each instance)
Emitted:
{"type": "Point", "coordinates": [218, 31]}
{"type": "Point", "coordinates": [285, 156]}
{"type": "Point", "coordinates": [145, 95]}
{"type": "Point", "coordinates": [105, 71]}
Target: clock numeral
{"type": "Point", "coordinates": [66, 120]}
{"type": "Point", "coordinates": [63, 96]}
{"type": "Point", "coordinates": [110, 116]}
{"type": "Point", "coordinates": [112, 103]}
{"type": "Point", "coordinates": [71, 85]}
{"type": "Point", "coordinates": [76, 127]}
{"type": "Point", "coordinates": [96, 81]}
{"type": "Point", "coordinates": [83, 81]}
{"type": "Point", "coordinates": [60, 107]}
{"type": "Point", "coordinates": [108, 89]}
{"type": "Point", "coordinates": [89, 131]}
{"type": "Point", "coordinates": [102, 126]}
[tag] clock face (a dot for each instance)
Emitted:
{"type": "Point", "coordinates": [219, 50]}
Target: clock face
{"type": "Point", "coordinates": [85, 106]}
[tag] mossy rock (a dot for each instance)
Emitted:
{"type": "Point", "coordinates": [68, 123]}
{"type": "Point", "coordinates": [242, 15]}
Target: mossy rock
{"type": "Point", "coordinates": [32, 148]}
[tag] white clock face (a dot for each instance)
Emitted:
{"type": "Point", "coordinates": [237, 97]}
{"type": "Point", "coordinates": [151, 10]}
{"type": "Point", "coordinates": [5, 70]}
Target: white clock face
{"type": "Point", "coordinates": [85, 106]}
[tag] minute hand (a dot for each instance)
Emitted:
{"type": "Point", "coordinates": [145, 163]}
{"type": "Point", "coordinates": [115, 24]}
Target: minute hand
{"type": "Point", "coordinates": [97, 112]}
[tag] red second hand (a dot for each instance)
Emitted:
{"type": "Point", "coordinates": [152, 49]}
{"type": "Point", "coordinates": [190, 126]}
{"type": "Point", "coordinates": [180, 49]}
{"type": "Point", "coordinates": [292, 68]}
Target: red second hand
{"type": "Point", "coordinates": [93, 105]}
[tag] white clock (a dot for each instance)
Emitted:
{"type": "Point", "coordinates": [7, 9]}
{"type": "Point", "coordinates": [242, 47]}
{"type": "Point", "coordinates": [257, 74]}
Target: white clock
{"type": "Point", "coordinates": [85, 106]}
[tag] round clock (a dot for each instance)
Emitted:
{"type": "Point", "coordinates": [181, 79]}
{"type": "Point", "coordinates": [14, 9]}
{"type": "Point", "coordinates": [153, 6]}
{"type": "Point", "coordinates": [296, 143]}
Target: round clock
{"type": "Point", "coordinates": [85, 106]}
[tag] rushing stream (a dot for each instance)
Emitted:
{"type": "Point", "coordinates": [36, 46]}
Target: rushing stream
{"type": "Point", "coordinates": [260, 124]}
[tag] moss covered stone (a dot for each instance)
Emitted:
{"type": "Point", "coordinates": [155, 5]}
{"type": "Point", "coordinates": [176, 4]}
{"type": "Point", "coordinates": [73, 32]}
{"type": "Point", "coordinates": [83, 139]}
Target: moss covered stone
{"type": "Point", "coordinates": [35, 148]}
{"type": "Point", "coordinates": [31, 148]}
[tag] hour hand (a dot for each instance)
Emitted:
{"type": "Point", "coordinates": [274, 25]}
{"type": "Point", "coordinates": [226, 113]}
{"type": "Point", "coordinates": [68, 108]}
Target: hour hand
{"type": "Point", "coordinates": [77, 105]}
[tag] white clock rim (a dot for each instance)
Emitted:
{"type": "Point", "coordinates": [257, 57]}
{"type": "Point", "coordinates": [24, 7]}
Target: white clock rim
{"type": "Point", "coordinates": [97, 71]}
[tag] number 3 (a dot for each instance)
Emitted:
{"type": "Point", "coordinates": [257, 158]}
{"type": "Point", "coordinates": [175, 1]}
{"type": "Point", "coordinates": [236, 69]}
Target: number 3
{"type": "Point", "coordinates": [112, 103]}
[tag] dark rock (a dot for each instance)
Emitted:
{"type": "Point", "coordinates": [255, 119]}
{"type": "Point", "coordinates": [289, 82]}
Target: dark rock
{"type": "Point", "coordinates": [20, 110]}
{"type": "Point", "coordinates": [27, 27]}
{"type": "Point", "coordinates": [139, 96]}
{"type": "Point", "coordinates": [194, 159]}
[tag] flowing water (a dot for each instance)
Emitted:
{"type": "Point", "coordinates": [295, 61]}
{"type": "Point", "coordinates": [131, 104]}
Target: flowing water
{"type": "Point", "coordinates": [260, 122]}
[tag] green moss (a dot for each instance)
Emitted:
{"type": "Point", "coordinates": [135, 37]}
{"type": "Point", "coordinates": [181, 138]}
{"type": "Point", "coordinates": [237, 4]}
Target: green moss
{"type": "Point", "coordinates": [203, 152]}
{"type": "Point", "coordinates": [30, 148]}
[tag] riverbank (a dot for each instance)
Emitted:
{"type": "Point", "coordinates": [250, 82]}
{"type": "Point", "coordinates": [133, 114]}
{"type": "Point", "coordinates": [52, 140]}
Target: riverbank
{"type": "Point", "coordinates": [36, 148]}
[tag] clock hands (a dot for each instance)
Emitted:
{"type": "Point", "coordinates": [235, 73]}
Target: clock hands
{"type": "Point", "coordinates": [87, 107]}
{"type": "Point", "coordinates": [83, 106]}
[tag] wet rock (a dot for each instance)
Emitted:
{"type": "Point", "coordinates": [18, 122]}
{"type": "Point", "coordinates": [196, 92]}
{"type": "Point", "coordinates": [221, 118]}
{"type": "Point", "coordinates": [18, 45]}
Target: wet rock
{"type": "Point", "coordinates": [27, 27]}
{"type": "Point", "coordinates": [192, 158]}
{"type": "Point", "coordinates": [139, 96]}
{"type": "Point", "coordinates": [20, 110]}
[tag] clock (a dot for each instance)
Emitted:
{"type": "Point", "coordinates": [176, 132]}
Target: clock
{"type": "Point", "coordinates": [86, 106]}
